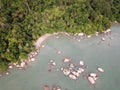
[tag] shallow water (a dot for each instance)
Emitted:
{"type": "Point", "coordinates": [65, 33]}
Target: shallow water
{"type": "Point", "coordinates": [94, 52]}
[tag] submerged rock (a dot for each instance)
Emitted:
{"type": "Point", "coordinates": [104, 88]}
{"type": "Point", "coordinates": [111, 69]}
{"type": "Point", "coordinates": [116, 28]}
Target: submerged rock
{"type": "Point", "coordinates": [43, 46]}
{"type": "Point", "coordinates": [111, 38]}
{"type": "Point", "coordinates": [91, 80]}
{"type": "Point", "coordinates": [7, 73]}
{"type": "Point", "coordinates": [88, 36]}
{"type": "Point", "coordinates": [32, 59]}
{"type": "Point", "coordinates": [10, 67]}
{"type": "Point", "coordinates": [22, 64]}
{"type": "Point", "coordinates": [76, 73]}
{"type": "Point", "coordinates": [66, 72]}
{"type": "Point", "coordinates": [81, 63]}
{"type": "Point", "coordinates": [52, 63]}
{"type": "Point", "coordinates": [93, 74]}
{"type": "Point", "coordinates": [71, 65]}
{"type": "Point", "coordinates": [56, 87]}
{"type": "Point", "coordinates": [103, 39]}
{"type": "Point", "coordinates": [78, 40]}
{"type": "Point", "coordinates": [100, 69]}
{"type": "Point", "coordinates": [72, 77]}
{"type": "Point", "coordinates": [59, 52]}
{"type": "Point", "coordinates": [57, 37]}
{"type": "Point", "coordinates": [81, 69]}
{"type": "Point", "coordinates": [66, 60]}
{"type": "Point", "coordinates": [46, 87]}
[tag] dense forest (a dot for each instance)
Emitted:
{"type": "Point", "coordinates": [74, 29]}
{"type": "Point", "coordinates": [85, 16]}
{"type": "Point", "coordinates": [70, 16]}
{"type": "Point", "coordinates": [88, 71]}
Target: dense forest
{"type": "Point", "coordinates": [22, 22]}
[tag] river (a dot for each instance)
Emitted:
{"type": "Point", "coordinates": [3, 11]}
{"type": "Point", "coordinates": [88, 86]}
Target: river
{"type": "Point", "coordinates": [93, 51]}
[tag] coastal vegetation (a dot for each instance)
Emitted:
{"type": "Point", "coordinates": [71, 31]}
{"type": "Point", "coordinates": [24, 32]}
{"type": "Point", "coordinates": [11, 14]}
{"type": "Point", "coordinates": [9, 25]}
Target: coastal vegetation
{"type": "Point", "coordinates": [22, 22]}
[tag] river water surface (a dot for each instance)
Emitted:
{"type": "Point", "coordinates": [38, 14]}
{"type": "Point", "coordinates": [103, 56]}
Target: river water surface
{"type": "Point", "coordinates": [94, 52]}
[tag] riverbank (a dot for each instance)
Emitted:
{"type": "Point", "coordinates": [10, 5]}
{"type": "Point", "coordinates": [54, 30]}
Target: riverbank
{"type": "Point", "coordinates": [94, 55]}
{"type": "Point", "coordinates": [39, 44]}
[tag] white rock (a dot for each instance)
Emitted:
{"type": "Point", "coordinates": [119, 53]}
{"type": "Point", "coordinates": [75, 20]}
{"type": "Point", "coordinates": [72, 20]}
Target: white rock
{"type": "Point", "coordinates": [36, 53]}
{"type": "Point", "coordinates": [93, 74]}
{"type": "Point", "coordinates": [55, 33]}
{"type": "Point", "coordinates": [91, 80]}
{"type": "Point", "coordinates": [14, 64]}
{"type": "Point", "coordinates": [57, 37]}
{"type": "Point", "coordinates": [95, 78]}
{"type": "Point", "coordinates": [51, 61]}
{"type": "Point", "coordinates": [81, 69]}
{"type": "Point", "coordinates": [88, 36]}
{"type": "Point", "coordinates": [32, 59]}
{"type": "Point", "coordinates": [61, 69]}
{"type": "Point", "coordinates": [78, 40]}
{"type": "Point", "coordinates": [18, 66]}
{"type": "Point", "coordinates": [75, 73]}
{"type": "Point", "coordinates": [100, 69]}
{"type": "Point", "coordinates": [59, 52]}
{"type": "Point", "coordinates": [43, 46]}
{"type": "Point", "coordinates": [115, 22]}
{"type": "Point", "coordinates": [7, 73]}
{"type": "Point", "coordinates": [22, 64]}
{"type": "Point", "coordinates": [57, 69]}
{"type": "Point", "coordinates": [81, 63]}
{"type": "Point", "coordinates": [103, 39]}
{"type": "Point", "coordinates": [10, 67]}
{"type": "Point", "coordinates": [96, 33]}
{"type": "Point", "coordinates": [108, 30]}
{"type": "Point", "coordinates": [66, 60]}
{"type": "Point", "coordinates": [71, 65]}
{"type": "Point", "coordinates": [66, 72]}
{"type": "Point", "coordinates": [54, 63]}
{"type": "Point", "coordinates": [72, 77]}
{"type": "Point", "coordinates": [58, 89]}
{"type": "Point", "coordinates": [80, 34]}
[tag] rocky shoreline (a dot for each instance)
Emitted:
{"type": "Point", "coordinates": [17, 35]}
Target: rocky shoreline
{"type": "Point", "coordinates": [39, 44]}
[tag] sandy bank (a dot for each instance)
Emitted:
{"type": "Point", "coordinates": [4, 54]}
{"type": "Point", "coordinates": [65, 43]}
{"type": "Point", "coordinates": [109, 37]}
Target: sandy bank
{"type": "Point", "coordinates": [38, 43]}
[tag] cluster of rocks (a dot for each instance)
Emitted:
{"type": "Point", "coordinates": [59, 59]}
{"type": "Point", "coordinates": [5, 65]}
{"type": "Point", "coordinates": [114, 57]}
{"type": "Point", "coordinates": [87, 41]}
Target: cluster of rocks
{"type": "Point", "coordinates": [63, 33]}
{"type": "Point", "coordinates": [83, 35]}
{"type": "Point", "coordinates": [20, 65]}
{"type": "Point", "coordinates": [108, 31]}
{"type": "Point", "coordinates": [93, 77]}
{"type": "Point", "coordinates": [53, 87]}
{"type": "Point", "coordinates": [74, 71]}
{"type": "Point", "coordinates": [32, 55]}
{"type": "Point", "coordinates": [52, 63]}
{"type": "Point", "coordinates": [23, 63]}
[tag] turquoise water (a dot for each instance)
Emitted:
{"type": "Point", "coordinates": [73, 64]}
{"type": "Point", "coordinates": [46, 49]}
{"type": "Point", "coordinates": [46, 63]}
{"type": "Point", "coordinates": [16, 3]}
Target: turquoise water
{"type": "Point", "coordinates": [92, 51]}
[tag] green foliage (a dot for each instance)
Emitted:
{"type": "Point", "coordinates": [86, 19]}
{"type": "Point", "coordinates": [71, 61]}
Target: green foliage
{"type": "Point", "coordinates": [3, 64]}
{"type": "Point", "coordinates": [23, 21]}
